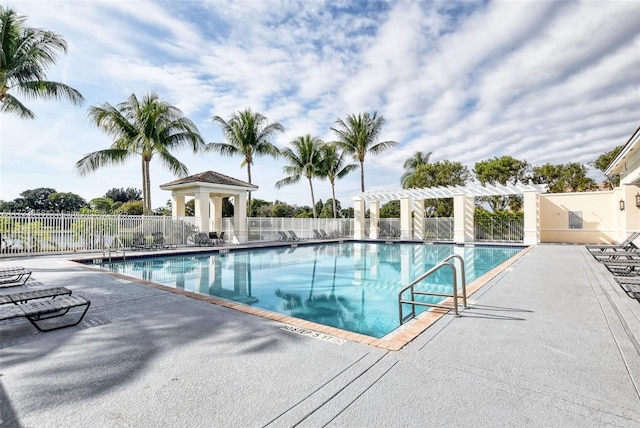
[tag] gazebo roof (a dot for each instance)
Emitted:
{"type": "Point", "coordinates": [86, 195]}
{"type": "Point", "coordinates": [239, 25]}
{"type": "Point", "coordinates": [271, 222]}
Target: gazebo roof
{"type": "Point", "coordinates": [450, 192]}
{"type": "Point", "coordinates": [208, 179]}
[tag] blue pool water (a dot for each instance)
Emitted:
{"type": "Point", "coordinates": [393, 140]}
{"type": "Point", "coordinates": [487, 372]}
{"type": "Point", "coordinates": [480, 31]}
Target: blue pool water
{"type": "Point", "coordinates": [352, 286]}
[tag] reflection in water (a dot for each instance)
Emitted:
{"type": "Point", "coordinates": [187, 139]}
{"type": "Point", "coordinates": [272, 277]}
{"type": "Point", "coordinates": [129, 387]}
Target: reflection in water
{"type": "Point", "coordinates": [353, 286]}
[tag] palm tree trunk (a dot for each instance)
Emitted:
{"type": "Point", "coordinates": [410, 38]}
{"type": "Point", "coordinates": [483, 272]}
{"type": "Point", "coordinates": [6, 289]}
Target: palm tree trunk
{"type": "Point", "coordinates": [146, 188]}
{"type": "Point", "coordinates": [313, 199]}
{"type": "Point", "coordinates": [249, 193]}
{"type": "Point", "coordinates": [362, 175]}
{"type": "Point", "coordinates": [333, 195]}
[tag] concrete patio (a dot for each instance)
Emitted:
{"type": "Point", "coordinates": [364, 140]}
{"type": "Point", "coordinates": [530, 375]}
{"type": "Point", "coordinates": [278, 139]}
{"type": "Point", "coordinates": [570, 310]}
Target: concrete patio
{"type": "Point", "coordinates": [551, 341]}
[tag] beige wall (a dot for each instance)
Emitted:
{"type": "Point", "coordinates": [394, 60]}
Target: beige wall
{"type": "Point", "coordinates": [602, 220]}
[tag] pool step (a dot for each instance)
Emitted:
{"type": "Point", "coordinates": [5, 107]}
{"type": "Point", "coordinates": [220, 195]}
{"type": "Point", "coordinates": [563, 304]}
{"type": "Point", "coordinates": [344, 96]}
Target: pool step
{"type": "Point", "coordinates": [326, 403]}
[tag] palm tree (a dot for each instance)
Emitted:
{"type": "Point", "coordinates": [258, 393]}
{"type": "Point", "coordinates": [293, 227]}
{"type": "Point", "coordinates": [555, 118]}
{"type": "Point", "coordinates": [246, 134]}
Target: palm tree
{"type": "Point", "coordinates": [25, 55]}
{"type": "Point", "coordinates": [248, 134]}
{"type": "Point", "coordinates": [142, 127]}
{"type": "Point", "coordinates": [332, 167]}
{"type": "Point", "coordinates": [358, 135]}
{"type": "Point", "coordinates": [304, 160]}
{"type": "Point", "coordinates": [411, 164]}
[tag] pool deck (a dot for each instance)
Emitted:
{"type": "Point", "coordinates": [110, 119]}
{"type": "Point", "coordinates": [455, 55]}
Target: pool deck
{"type": "Point", "coordinates": [550, 341]}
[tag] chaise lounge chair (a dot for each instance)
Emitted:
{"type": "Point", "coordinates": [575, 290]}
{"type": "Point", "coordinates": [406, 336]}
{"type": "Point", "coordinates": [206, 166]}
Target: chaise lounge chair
{"type": "Point", "coordinates": [631, 286]}
{"type": "Point", "coordinates": [625, 245]}
{"type": "Point", "coordinates": [40, 305]}
{"type": "Point", "coordinates": [294, 237]}
{"type": "Point", "coordinates": [139, 242]}
{"type": "Point", "coordinates": [283, 236]}
{"type": "Point", "coordinates": [160, 243]}
{"type": "Point", "coordinates": [13, 276]}
{"type": "Point", "coordinates": [202, 239]}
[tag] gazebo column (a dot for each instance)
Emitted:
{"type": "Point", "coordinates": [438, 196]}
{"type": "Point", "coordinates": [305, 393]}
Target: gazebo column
{"type": "Point", "coordinates": [215, 203]}
{"type": "Point", "coordinates": [177, 204]}
{"type": "Point", "coordinates": [418, 219]}
{"type": "Point", "coordinates": [374, 219]}
{"type": "Point", "coordinates": [201, 206]}
{"type": "Point", "coordinates": [240, 217]}
{"type": "Point", "coordinates": [406, 231]}
{"type": "Point", "coordinates": [463, 219]}
{"type": "Point", "coordinates": [531, 208]}
{"type": "Point", "coordinates": [358, 218]}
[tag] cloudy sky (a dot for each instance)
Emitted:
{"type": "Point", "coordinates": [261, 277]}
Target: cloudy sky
{"type": "Point", "coordinates": [541, 81]}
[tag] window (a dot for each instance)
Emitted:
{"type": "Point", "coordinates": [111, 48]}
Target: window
{"type": "Point", "coordinates": [575, 219]}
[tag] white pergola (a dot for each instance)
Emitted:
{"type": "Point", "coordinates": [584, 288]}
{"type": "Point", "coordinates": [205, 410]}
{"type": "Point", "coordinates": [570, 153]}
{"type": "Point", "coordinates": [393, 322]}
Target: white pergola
{"type": "Point", "coordinates": [412, 201]}
{"type": "Point", "coordinates": [208, 188]}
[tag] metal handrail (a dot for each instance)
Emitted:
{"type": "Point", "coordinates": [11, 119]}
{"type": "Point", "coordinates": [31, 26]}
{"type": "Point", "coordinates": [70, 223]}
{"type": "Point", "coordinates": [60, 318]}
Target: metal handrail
{"type": "Point", "coordinates": [118, 242]}
{"type": "Point", "coordinates": [454, 294]}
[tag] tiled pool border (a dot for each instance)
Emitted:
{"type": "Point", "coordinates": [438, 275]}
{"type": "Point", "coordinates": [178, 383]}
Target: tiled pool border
{"type": "Point", "coordinates": [393, 341]}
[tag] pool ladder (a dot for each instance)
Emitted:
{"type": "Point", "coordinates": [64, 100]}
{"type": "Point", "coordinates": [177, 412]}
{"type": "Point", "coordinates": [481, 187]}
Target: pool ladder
{"type": "Point", "coordinates": [454, 293]}
{"type": "Point", "coordinates": [107, 249]}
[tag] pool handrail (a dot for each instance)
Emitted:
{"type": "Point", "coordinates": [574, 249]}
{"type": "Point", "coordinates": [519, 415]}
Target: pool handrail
{"type": "Point", "coordinates": [444, 262]}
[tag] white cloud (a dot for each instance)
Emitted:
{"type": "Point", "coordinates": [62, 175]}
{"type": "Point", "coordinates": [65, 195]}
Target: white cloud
{"type": "Point", "coordinates": [541, 81]}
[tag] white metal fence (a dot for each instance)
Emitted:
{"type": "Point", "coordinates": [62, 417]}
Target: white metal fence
{"type": "Point", "coordinates": [269, 228]}
{"type": "Point", "coordinates": [499, 230]}
{"type": "Point", "coordinates": [33, 233]}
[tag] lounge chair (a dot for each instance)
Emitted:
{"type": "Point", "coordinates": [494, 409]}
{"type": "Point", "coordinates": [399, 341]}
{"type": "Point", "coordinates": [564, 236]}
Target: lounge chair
{"type": "Point", "coordinates": [293, 236]}
{"type": "Point", "coordinates": [283, 236]}
{"type": "Point", "coordinates": [623, 267]}
{"type": "Point", "coordinates": [139, 242]}
{"type": "Point", "coordinates": [202, 239]}
{"type": "Point", "coordinates": [325, 235]}
{"type": "Point", "coordinates": [34, 294]}
{"type": "Point", "coordinates": [631, 286]}
{"type": "Point", "coordinates": [625, 245]}
{"type": "Point", "coordinates": [611, 256]}
{"type": "Point", "coordinates": [13, 276]}
{"type": "Point", "coordinates": [316, 234]}
{"type": "Point", "coordinates": [160, 243]}
{"type": "Point", "coordinates": [221, 238]}
{"type": "Point", "coordinates": [40, 309]}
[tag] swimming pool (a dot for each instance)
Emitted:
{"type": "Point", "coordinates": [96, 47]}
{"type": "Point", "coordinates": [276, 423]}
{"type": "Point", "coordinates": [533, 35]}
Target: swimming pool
{"type": "Point", "coordinates": [352, 286]}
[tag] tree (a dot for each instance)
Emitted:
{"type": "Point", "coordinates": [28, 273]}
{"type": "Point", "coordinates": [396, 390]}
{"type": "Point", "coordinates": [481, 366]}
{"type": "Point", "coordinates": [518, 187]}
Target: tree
{"type": "Point", "coordinates": [103, 205]}
{"type": "Point", "coordinates": [442, 173]}
{"type": "Point", "coordinates": [124, 195]}
{"type": "Point", "coordinates": [329, 209]}
{"type": "Point", "coordinates": [304, 160]}
{"type": "Point", "coordinates": [603, 162]}
{"type": "Point", "coordinates": [411, 164]}
{"type": "Point", "coordinates": [26, 54]}
{"type": "Point", "coordinates": [36, 199]}
{"type": "Point", "coordinates": [390, 210]}
{"type": "Point", "coordinates": [65, 202]}
{"type": "Point", "coordinates": [142, 128]}
{"type": "Point", "coordinates": [131, 208]}
{"type": "Point", "coordinates": [502, 170]}
{"type": "Point", "coordinates": [358, 135]}
{"type": "Point", "coordinates": [249, 135]}
{"type": "Point", "coordinates": [564, 178]}
{"type": "Point", "coordinates": [333, 166]}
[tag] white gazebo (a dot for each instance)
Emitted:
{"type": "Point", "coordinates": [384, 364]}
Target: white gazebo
{"type": "Point", "coordinates": [412, 202]}
{"type": "Point", "coordinates": [208, 188]}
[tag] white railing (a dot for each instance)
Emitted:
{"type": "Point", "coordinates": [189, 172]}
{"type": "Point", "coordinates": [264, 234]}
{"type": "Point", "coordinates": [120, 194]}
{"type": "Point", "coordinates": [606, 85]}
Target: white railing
{"type": "Point", "coordinates": [499, 230]}
{"type": "Point", "coordinates": [37, 233]}
{"type": "Point", "coordinates": [437, 229]}
{"type": "Point", "coordinates": [269, 228]}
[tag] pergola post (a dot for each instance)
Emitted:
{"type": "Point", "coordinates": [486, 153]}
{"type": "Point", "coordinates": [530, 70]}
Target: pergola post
{"type": "Point", "coordinates": [418, 219]}
{"type": "Point", "coordinates": [216, 212]}
{"type": "Point", "coordinates": [463, 219]}
{"type": "Point", "coordinates": [240, 217]}
{"type": "Point", "coordinates": [358, 218]}
{"type": "Point", "coordinates": [177, 204]}
{"type": "Point", "coordinates": [374, 219]}
{"type": "Point", "coordinates": [201, 206]}
{"type": "Point", "coordinates": [406, 231]}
